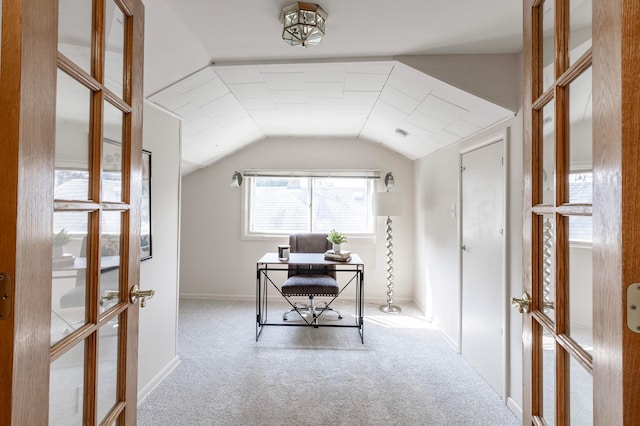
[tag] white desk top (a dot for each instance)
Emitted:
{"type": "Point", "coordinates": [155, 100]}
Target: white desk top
{"type": "Point", "coordinates": [307, 259]}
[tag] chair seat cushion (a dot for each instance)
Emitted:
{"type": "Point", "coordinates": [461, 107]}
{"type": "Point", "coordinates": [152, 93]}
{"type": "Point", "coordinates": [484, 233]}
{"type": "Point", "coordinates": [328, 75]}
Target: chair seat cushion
{"type": "Point", "coordinates": [310, 285]}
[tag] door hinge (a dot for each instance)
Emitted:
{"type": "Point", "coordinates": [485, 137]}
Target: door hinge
{"type": "Point", "coordinates": [502, 161]}
{"type": "Point", "coordinates": [5, 295]}
{"type": "Point", "coordinates": [462, 169]}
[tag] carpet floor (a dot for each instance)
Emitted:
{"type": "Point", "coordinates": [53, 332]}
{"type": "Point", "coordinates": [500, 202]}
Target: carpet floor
{"type": "Point", "coordinates": [405, 373]}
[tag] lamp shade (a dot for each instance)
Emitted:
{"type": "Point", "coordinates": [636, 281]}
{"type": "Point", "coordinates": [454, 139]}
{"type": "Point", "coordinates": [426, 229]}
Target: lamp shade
{"type": "Point", "coordinates": [388, 203]}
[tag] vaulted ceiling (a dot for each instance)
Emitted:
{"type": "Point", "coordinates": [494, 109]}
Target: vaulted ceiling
{"type": "Point", "coordinates": [224, 68]}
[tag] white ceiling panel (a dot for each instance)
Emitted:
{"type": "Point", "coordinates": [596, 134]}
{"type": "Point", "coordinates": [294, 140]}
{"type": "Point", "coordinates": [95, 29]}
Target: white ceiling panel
{"type": "Point", "coordinates": [207, 92]}
{"type": "Point", "coordinates": [249, 90]}
{"type": "Point", "coordinates": [238, 75]}
{"type": "Point", "coordinates": [233, 116]}
{"type": "Point", "coordinates": [440, 109]}
{"type": "Point", "coordinates": [289, 96]}
{"type": "Point", "coordinates": [426, 122]}
{"type": "Point", "coordinates": [232, 106]}
{"type": "Point", "coordinates": [359, 82]}
{"type": "Point", "coordinates": [411, 82]}
{"type": "Point", "coordinates": [325, 89]}
{"type": "Point", "coordinates": [253, 104]}
{"type": "Point", "coordinates": [284, 80]}
{"type": "Point", "coordinates": [360, 98]}
{"type": "Point", "coordinates": [220, 105]}
{"type": "Point", "coordinates": [325, 74]}
{"type": "Point", "coordinates": [189, 112]}
{"type": "Point", "coordinates": [398, 99]}
{"type": "Point", "coordinates": [463, 129]}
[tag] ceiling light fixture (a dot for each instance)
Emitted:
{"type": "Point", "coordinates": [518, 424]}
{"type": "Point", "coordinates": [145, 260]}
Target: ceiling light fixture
{"type": "Point", "coordinates": [303, 23]}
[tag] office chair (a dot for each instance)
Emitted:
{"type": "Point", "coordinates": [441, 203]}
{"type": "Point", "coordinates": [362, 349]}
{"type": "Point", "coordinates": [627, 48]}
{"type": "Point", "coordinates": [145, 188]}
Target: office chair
{"type": "Point", "coordinates": [310, 280]}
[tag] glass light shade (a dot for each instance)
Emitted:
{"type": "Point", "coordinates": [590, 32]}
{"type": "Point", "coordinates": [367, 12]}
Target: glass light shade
{"type": "Point", "coordinates": [388, 203]}
{"type": "Point", "coordinates": [303, 24]}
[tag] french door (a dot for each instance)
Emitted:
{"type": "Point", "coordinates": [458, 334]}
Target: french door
{"type": "Point", "coordinates": [581, 212]}
{"type": "Point", "coordinates": [71, 102]}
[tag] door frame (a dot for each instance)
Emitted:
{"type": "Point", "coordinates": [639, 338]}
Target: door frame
{"type": "Point", "coordinates": [495, 137]}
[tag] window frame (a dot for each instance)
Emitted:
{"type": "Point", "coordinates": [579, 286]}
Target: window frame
{"type": "Point", "coordinates": [248, 186]}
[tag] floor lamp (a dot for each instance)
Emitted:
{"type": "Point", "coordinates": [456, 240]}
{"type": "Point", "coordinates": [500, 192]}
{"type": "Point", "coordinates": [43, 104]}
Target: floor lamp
{"type": "Point", "coordinates": [389, 204]}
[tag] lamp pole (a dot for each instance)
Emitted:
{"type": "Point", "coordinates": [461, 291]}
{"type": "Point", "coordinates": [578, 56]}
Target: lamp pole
{"type": "Point", "coordinates": [390, 308]}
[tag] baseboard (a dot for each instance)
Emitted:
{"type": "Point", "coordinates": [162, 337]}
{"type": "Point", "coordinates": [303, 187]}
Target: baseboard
{"type": "Point", "coordinates": [515, 408]}
{"type": "Point", "coordinates": [145, 391]}
{"type": "Point", "coordinates": [275, 297]}
{"type": "Point", "coordinates": [215, 296]}
{"type": "Point", "coordinates": [446, 336]}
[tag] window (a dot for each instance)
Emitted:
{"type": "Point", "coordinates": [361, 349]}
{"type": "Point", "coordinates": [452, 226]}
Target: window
{"type": "Point", "coordinates": [285, 205]}
{"type": "Point", "coordinates": [581, 192]}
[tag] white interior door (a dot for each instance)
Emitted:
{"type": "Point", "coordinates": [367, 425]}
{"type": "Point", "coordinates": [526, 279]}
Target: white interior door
{"type": "Point", "coordinates": [483, 286]}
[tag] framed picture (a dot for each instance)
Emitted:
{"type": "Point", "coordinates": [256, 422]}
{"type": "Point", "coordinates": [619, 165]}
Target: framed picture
{"type": "Point", "coordinates": [145, 207]}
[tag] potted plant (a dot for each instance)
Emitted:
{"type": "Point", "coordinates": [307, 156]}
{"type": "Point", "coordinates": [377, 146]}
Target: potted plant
{"type": "Point", "coordinates": [60, 240]}
{"type": "Point", "coordinates": [337, 239]}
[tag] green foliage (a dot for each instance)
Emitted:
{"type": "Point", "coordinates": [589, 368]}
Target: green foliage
{"type": "Point", "coordinates": [61, 239]}
{"type": "Point", "coordinates": [336, 237]}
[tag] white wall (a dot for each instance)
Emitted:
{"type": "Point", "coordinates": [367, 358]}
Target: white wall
{"type": "Point", "coordinates": [216, 262]}
{"type": "Point", "coordinates": [157, 352]}
{"type": "Point", "coordinates": [437, 267]}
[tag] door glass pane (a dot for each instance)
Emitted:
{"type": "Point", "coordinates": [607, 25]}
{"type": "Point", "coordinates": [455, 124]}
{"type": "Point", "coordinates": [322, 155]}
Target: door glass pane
{"type": "Point", "coordinates": [580, 21]}
{"type": "Point", "coordinates": [110, 258]}
{"type": "Point", "coordinates": [581, 125]}
{"type": "Point", "coordinates": [548, 44]}
{"type": "Point", "coordinates": [107, 367]}
{"type": "Point", "coordinates": [112, 154]}
{"type": "Point", "coordinates": [114, 48]}
{"type": "Point", "coordinates": [548, 377]}
{"type": "Point", "coordinates": [548, 153]}
{"type": "Point", "coordinates": [548, 276]}
{"type": "Point", "coordinates": [69, 276]}
{"type": "Point", "coordinates": [580, 394]}
{"type": "Point", "coordinates": [66, 388]}
{"type": "Point", "coordinates": [73, 111]}
{"type": "Point", "coordinates": [581, 282]}
{"type": "Point", "coordinates": [74, 31]}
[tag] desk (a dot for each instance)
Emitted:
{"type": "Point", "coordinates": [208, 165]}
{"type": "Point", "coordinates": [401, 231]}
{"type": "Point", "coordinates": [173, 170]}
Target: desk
{"type": "Point", "coordinates": [270, 262]}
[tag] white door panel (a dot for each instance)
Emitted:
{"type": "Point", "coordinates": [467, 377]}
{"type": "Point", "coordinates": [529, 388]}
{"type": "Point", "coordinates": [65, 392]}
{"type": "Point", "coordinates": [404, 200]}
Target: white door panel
{"type": "Point", "coordinates": [482, 336]}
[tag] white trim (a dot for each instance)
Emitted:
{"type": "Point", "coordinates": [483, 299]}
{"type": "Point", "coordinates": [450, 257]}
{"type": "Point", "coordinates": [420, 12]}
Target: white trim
{"type": "Point", "coordinates": [313, 173]}
{"type": "Point", "coordinates": [515, 408]}
{"type": "Point", "coordinates": [450, 340]}
{"type": "Point", "coordinates": [157, 379]}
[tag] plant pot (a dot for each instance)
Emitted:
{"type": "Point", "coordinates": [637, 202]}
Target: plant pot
{"type": "Point", "coordinates": [58, 251]}
{"type": "Point", "coordinates": [337, 247]}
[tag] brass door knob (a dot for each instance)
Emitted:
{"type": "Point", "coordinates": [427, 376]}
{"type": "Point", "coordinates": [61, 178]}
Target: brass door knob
{"type": "Point", "coordinates": [143, 295]}
{"type": "Point", "coordinates": [523, 305]}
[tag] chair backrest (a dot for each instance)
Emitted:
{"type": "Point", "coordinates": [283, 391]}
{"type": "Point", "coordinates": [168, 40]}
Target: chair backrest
{"type": "Point", "coordinates": [310, 243]}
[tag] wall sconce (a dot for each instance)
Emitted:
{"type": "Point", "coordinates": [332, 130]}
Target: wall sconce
{"type": "Point", "coordinates": [236, 180]}
{"type": "Point", "coordinates": [389, 181]}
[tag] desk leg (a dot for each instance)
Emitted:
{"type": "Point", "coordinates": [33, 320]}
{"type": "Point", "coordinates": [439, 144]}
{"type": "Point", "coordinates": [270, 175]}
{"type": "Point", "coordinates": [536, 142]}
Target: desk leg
{"type": "Point", "coordinates": [259, 297]}
{"type": "Point", "coordinates": [362, 305]}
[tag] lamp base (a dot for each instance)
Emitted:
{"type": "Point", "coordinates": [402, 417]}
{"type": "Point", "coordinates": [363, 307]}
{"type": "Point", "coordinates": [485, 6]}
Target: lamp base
{"type": "Point", "coordinates": [390, 309]}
